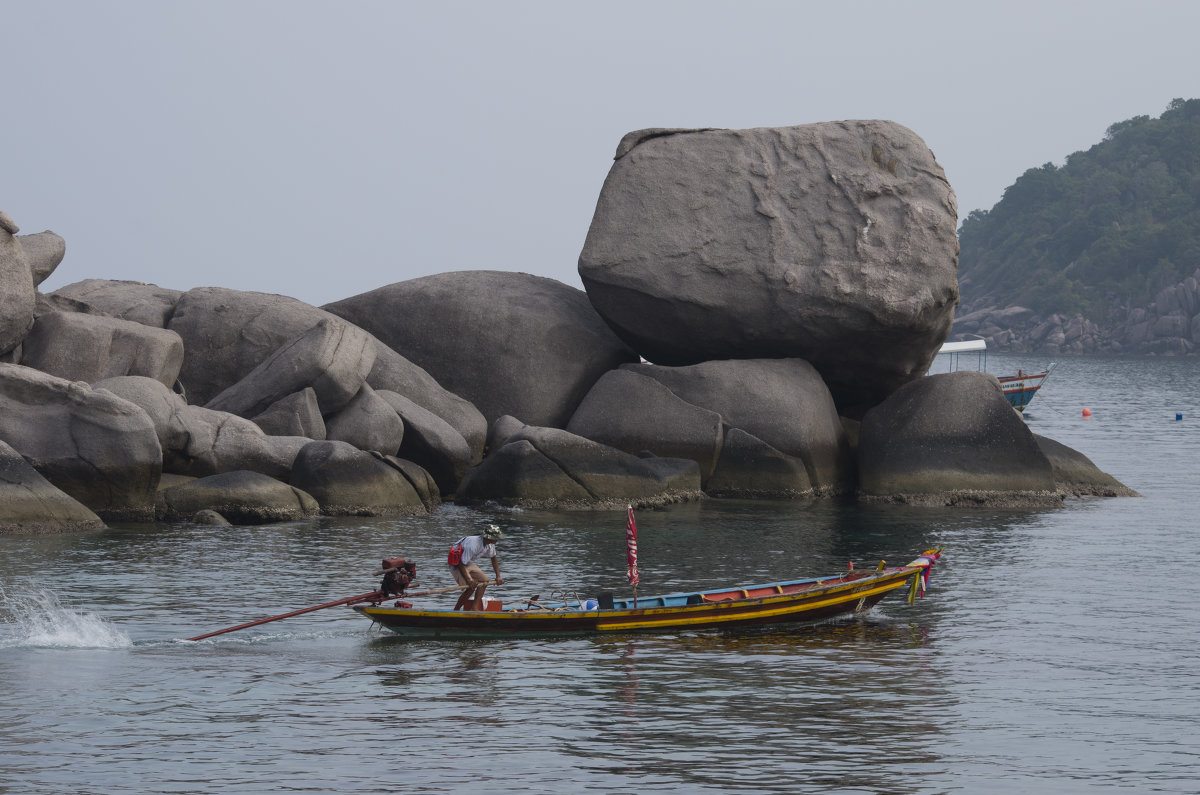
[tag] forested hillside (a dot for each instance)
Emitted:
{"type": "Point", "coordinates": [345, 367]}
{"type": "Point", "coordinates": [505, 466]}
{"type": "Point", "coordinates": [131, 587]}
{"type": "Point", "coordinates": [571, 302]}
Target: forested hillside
{"type": "Point", "coordinates": [1098, 238]}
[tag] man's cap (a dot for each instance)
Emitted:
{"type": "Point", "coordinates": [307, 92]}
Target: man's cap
{"type": "Point", "coordinates": [492, 533]}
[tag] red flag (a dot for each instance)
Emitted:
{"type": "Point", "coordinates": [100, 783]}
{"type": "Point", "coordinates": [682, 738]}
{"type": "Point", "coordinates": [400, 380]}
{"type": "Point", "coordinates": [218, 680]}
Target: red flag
{"type": "Point", "coordinates": [631, 547]}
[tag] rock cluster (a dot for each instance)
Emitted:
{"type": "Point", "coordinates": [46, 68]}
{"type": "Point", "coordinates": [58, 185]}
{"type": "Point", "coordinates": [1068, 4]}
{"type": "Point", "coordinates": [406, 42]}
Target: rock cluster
{"type": "Point", "coordinates": [787, 283]}
{"type": "Point", "coordinates": [1170, 325]}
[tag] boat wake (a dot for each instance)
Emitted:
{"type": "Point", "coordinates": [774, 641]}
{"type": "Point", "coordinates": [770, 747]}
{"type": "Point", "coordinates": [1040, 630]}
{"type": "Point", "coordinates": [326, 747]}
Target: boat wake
{"type": "Point", "coordinates": [36, 618]}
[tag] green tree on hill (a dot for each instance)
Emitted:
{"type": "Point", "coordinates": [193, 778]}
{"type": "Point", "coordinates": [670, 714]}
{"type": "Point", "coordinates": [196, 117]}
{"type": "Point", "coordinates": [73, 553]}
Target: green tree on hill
{"type": "Point", "coordinates": [1106, 231]}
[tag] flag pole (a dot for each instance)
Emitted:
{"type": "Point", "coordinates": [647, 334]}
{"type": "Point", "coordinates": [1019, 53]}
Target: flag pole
{"type": "Point", "coordinates": [631, 552]}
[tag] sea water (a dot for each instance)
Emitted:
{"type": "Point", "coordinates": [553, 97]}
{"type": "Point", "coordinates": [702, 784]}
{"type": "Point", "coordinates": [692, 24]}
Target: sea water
{"type": "Point", "coordinates": [1054, 652]}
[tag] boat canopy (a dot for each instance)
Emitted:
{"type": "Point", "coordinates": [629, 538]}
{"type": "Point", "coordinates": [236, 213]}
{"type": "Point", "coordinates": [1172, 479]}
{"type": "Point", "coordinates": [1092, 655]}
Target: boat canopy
{"type": "Point", "coordinates": [963, 347]}
{"type": "Point", "coordinates": [977, 347]}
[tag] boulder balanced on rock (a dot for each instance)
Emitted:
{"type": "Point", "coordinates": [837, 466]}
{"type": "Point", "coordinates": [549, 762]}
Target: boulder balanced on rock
{"type": "Point", "coordinates": [832, 242]}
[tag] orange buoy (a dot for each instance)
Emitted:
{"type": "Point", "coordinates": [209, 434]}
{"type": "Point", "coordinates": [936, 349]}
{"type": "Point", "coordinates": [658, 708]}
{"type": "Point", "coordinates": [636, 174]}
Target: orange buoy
{"type": "Point", "coordinates": [1087, 412]}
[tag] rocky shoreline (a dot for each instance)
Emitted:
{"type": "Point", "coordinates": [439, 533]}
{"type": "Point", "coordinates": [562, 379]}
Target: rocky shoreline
{"type": "Point", "coordinates": [1169, 326]}
{"type": "Point", "coordinates": [791, 286]}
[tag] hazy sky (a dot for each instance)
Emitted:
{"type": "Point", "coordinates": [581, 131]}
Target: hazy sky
{"type": "Point", "coordinates": [322, 149]}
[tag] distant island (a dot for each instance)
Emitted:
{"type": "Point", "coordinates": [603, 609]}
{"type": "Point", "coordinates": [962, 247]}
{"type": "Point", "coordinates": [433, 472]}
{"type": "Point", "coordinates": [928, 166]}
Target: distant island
{"type": "Point", "coordinates": [1100, 255]}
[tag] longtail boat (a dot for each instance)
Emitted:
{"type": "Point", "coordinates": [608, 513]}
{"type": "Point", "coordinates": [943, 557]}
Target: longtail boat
{"type": "Point", "coordinates": [793, 601]}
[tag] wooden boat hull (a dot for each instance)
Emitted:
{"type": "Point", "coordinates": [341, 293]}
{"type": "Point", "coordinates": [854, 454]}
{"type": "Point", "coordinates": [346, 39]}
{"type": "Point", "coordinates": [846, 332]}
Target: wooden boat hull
{"type": "Point", "coordinates": [776, 603]}
{"type": "Point", "coordinates": [1020, 389]}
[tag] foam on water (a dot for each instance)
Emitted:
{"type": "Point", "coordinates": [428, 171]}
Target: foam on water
{"type": "Point", "coordinates": [36, 618]}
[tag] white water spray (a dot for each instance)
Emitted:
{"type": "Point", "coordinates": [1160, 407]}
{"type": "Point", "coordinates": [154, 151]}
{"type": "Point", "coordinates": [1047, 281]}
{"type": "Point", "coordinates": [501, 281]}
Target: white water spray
{"type": "Point", "coordinates": [36, 618]}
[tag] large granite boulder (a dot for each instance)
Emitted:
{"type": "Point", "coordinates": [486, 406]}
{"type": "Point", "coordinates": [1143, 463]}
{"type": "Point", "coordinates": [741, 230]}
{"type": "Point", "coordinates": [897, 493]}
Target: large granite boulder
{"type": "Point", "coordinates": [831, 242]}
{"type": "Point", "coordinates": [197, 441]}
{"type": "Point", "coordinates": [631, 411]}
{"type": "Point", "coordinates": [44, 252]}
{"type": "Point", "coordinates": [84, 347]}
{"type": "Point", "coordinates": [332, 357]}
{"type": "Point", "coordinates": [511, 343]}
{"type": "Point", "coordinates": [297, 414]}
{"type": "Point", "coordinates": [346, 481]}
{"type": "Point", "coordinates": [368, 422]}
{"type": "Point", "coordinates": [726, 415]}
{"type": "Point", "coordinates": [228, 333]}
{"type": "Point", "coordinates": [431, 442]}
{"type": "Point", "coordinates": [30, 504]}
{"type": "Point", "coordinates": [98, 448]}
{"type": "Point", "coordinates": [549, 468]}
{"type": "Point", "coordinates": [240, 497]}
{"type": "Point", "coordinates": [1076, 475]}
{"type": "Point", "coordinates": [393, 373]}
{"type": "Point", "coordinates": [952, 439]}
{"type": "Point", "coordinates": [17, 294]}
{"type": "Point", "coordinates": [218, 442]}
{"type": "Point", "coordinates": [139, 302]}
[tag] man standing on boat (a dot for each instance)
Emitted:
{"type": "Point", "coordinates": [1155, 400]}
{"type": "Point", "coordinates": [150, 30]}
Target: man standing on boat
{"type": "Point", "coordinates": [462, 557]}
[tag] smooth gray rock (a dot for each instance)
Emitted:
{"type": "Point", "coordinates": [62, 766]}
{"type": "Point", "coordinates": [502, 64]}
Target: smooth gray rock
{"type": "Point", "coordinates": [332, 357]}
{"type": "Point", "coordinates": [347, 481]}
{"type": "Point", "coordinates": [368, 422]}
{"type": "Point", "coordinates": [209, 517]}
{"type": "Point", "coordinates": [629, 410]}
{"type": "Point", "coordinates": [1076, 475]}
{"type": "Point", "coordinates": [502, 428]}
{"type": "Point", "coordinates": [80, 347]}
{"type": "Point", "coordinates": [393, 373]}
{"type": "Point", "coordinates": [553, 469]}
{"type": "Point", "coordinates": [164, 408]}
{"type": "Point", "coordinates": [423, 482]}
{"type": "Point", "coordinates": [218, 442]}
{"type": "Point", "coordinates": [751, 468]}
{"type": "Point", "coordinates": [243, 498]}
{"type": "Point", "coordinates": [17, 295]}
{"type": "Point", "coordinates": [228, 333]}
{"type": "Point", "coordinates": [952, 439]}
{"type": "Point", "coordinates": [44, 252]}
{"type": "Point", "coordinates": [431, 442]}
{"type": "Point", "coordinates": [199, 442]}
{"type": "Point", "coordinates": [783, 402]}
{"type": "Point", "coordinates": [138, 302]}
{"type": "Point", "coordinates": [832, 242]}
{"type": "Point", "coordinates": [688, 412]}
{"type": "Point", "coordinates": [98, 448]}
{"type": "Point", "coordinates": [298, 414]}
{"type": "Point", "coordinates": [30, 505]}
{"type": "Point", "coordinates": [510, 343]}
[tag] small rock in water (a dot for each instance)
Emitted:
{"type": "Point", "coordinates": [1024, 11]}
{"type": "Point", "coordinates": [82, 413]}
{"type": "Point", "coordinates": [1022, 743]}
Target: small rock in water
{"type": "Point", "coordinates": [209, 517]}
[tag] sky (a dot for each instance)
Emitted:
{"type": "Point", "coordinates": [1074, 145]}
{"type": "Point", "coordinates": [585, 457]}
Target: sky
{"type": "Point", "coordinates": [323, 149]}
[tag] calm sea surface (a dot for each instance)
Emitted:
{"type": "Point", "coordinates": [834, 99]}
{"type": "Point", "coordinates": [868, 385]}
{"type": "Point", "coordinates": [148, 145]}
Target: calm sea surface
{"type": "Point", "coordinates": [1057, 650]}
